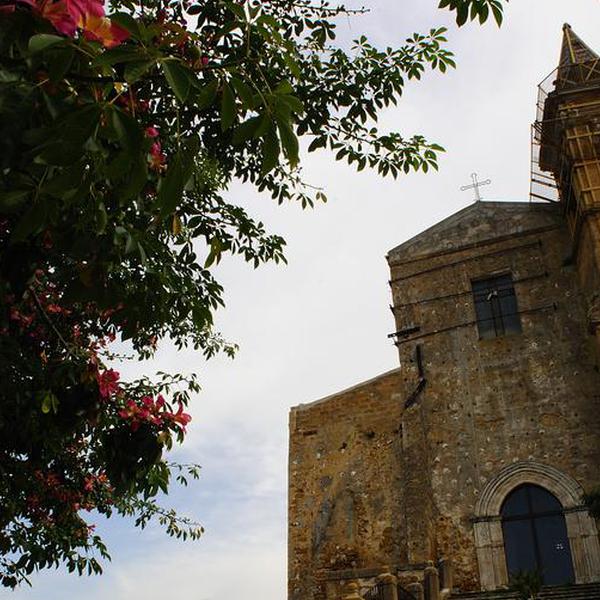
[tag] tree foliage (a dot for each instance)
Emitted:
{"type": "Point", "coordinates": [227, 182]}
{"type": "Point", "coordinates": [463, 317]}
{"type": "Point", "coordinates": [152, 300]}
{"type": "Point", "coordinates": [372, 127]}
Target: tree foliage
{"type": "Point", "coordinates": [119, 133]}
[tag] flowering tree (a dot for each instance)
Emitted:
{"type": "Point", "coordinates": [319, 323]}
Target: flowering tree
{"type": "Point", "coordinates": [120, 126]}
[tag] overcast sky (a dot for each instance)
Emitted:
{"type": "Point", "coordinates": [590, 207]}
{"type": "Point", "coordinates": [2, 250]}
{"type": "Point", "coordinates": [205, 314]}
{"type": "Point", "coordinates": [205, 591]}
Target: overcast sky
{"type": "Point", "coordinates": [320, 324]}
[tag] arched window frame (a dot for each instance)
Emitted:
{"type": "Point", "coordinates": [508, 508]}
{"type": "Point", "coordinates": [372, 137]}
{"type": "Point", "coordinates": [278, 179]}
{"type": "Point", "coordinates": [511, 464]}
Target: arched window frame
{"type": "Point", "coordinates": [487, 522]}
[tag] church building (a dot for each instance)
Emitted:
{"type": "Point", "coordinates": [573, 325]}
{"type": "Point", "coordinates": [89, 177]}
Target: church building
{"type": "Point", "coordinates": [468, 464]}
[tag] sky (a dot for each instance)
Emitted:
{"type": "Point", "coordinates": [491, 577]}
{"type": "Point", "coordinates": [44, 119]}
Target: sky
{"type": "Point", "coordinates": [320, 324]}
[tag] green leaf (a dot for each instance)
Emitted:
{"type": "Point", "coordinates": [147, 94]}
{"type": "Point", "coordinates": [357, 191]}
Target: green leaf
{"type": "Point", "coordinates": [128, 129]}
{"type": "Point", "coordinates": [59, 62]}
{"type": "Point", "coordinates": [41, 41]}
{"type": "Point", "coordinates": [12, 201]}
{"type": "Point", "coordinates": [244, 92]}
{"type": "Point", "coordinates": [246, 130]}
{"type": "Point", "coordinates": [79, 124]}
{"type": "Point", "coordinates": [207, 94]}
{"type": "Point", "coordinates": [216, 249]}
{"type": "Point", "coordinates": [263, 126]}
{"type": "Point", "coordinates": [101, 218]}
{"type": "Point", "coordinates": [65, 181]}
{"type": "Point", "coordinates": [318, 142]}
{"type": "Point", "coordinates": [462, 14]}
{"type": "Point", "coordinates": [293, 103]}
{"type": "Point", "coordinates": [497, 12]}
{"type": "Point", "coordinates": [32, 222]}
{"type": "Point", "coordinates": [138, 177]}
{"type": "Point", "coordinates": [237, 9]}
{"type": "Point", "coordinates": [178, 78]}
{"type": "Point", "coordinates": [189, 152]}
{"type": "Point", "coordinates": [292, 64]}
{"type": "Point", "coordinates": [130, 244]}
{"type": "Point", "coordinates": [119, 55]}
{"type": "Point", "coordinates": [49, 403]}
{"type": "Point", "coordinates": [170, 188]}
{"type": "Point", "coordinates": [228, 109]}
{"type": "Point", "coordinates": [118, 166]}
{"type": "Point", "coordinates": [284, 87]}
{"type": "Point", "coordinates": [289, 141]}
{"type": "Point", "coordinates": [134, 70]}
{"type": "Point", "coordinates": [126, 21]}
{"type": "Point", "coordinates": [68, 136]}
{"type": "Point", "coordinates": [271, 149]}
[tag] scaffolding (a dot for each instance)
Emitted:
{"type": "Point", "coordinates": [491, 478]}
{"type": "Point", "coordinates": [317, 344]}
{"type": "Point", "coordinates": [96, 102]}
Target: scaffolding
{"type": "Point", "coordinates": [565, 138]}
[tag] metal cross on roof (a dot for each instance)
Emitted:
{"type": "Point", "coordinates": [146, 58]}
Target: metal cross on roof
{"type": "Point", "coordinates": [475, 186]}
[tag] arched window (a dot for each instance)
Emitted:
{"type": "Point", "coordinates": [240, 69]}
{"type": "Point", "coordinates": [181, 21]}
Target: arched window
{"type": "Point", "coordinates": [535, 535]}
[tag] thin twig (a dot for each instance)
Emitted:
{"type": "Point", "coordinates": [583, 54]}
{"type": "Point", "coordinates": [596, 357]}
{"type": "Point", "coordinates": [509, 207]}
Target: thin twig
{"type": "Point", "coordinates": [48, 320]}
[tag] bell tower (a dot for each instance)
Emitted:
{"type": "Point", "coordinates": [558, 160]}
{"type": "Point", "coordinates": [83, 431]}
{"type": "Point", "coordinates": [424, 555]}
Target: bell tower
{"type": "Point", "coordinates": [566, 151]}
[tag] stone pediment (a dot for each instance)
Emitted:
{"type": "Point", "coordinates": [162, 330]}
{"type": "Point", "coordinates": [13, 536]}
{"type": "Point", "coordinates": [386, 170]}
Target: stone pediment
{"type": "Point", "coordinates": [479, 222]}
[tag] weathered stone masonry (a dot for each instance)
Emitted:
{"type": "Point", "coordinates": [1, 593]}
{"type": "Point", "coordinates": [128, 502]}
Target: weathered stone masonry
{"type": "Point", "coordinates": [373, 484]}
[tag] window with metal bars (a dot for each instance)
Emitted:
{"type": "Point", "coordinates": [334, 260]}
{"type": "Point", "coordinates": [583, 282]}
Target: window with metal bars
{"type": "Point", "coordinates": [496, 306]}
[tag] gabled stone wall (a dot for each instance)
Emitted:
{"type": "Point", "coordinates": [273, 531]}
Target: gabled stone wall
{"type": "Point", "coordinates": [389, 473]}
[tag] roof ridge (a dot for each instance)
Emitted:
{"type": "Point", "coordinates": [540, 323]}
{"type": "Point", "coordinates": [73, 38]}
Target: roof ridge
{"type": "Point", "coordinates": [574, 50]}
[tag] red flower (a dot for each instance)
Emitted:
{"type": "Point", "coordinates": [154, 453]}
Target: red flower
{"type": "Point", "coordinates": [180, 418]}
{"type": "Point", "coordinates": [108, 383]}
{"type": "Point", "coordinates": [151, 132]}
{"type": "Point", "coordinates": [149, 411]}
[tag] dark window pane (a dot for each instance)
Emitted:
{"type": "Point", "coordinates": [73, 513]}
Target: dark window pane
{"type": "Point", "coordinates": [496, 306]}
{"type": "Point", "coordinates": [554, 550]}
{"type": "Point", "coordinates": [519, 546]}
{"type": "Point", "coordinates": [485, 320]}
{"type": "Point", "coordinates": [543, 501]}
{"type": "Point", "coordinates": [517, 504]}
{"type": "Point", "coordinates": [535, 535]}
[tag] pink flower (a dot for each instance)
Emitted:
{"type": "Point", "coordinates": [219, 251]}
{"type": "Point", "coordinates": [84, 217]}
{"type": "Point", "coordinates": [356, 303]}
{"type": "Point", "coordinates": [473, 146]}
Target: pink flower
{"type": "Point", "coordinates": [157, 157]}
{"type": "Point", "coordinates": [82, 9]}
{"type": "Point", "coordinates": [59, 15]}
{"type": "Point", "coordinates": [68, 15]}
{"type": "Point", "coordinates": [152, 132]}
{"type": "Point", "coordinates": [108, 383]}
{"type": "Point", "coordinates": [102, 29]}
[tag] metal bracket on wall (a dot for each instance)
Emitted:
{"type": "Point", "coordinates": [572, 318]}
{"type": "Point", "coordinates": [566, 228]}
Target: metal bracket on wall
{"type": "Point", "coordinates": [421, 382]}
{"type": "Point", "coordinates": [404, 333]}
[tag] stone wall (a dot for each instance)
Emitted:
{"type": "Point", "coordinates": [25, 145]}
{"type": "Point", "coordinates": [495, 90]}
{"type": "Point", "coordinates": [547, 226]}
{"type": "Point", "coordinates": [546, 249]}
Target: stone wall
{"type": "Point", "coordinates": [345, 511]}
{"type": "Point", "coordinates": [389, 473]}
{"type": "Point", "coordinates": [489, 403]}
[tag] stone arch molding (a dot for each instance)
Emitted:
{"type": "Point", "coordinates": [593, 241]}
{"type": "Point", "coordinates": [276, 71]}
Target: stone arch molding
{"type": "Point", "coordinates": [487, 522]}
{"type": "Point", "coordinates": [565, 488]}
